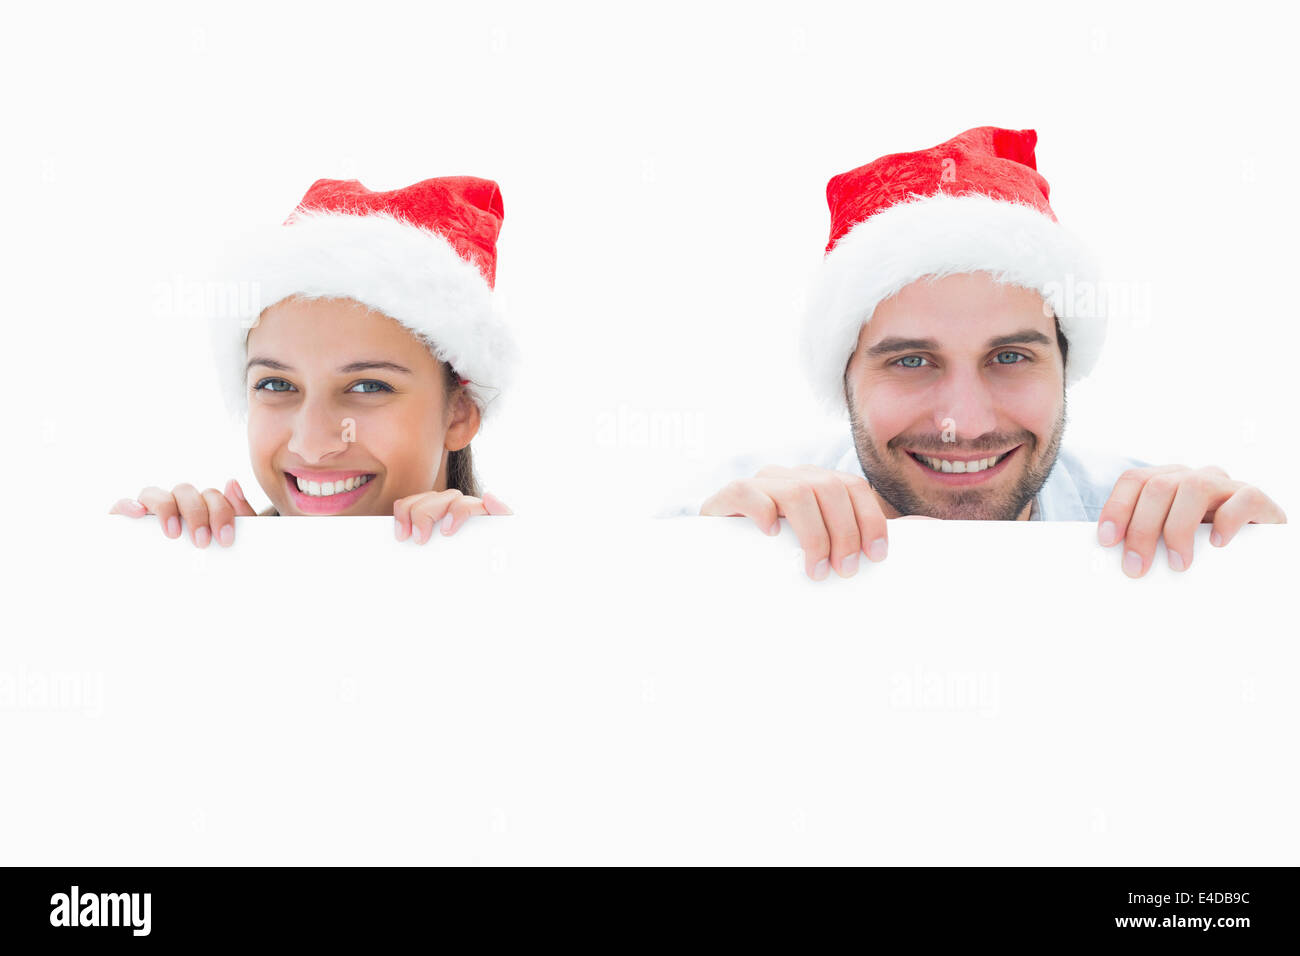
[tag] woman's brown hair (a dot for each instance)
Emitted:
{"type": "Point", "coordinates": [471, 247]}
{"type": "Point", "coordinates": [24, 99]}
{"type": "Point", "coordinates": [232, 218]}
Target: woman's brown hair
{"type": "Point", "coordinates": [460, 464]}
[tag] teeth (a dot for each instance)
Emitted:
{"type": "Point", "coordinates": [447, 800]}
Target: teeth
{"type": "Point", "coordinates": [961, 467]}
{"type": "Point", "coordinates": [319, 490]}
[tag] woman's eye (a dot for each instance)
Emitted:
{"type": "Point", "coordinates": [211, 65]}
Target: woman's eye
{"type": "Point", "coordinates": [379, 387]}
{"type": "Point", "coordinates": [1015, 358]}
{"type": "Point", "coordinates": [906, 360]}
{"type": "Point", "coordinates": [268, 381]}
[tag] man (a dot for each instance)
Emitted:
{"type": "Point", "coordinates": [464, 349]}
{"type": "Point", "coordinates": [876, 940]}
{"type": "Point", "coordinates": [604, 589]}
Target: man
{"type": "Point", "coordinates": [951, 314]}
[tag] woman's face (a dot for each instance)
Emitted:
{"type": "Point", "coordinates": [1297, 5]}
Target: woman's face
{"type": "Point", "coordinates": [348, 399]}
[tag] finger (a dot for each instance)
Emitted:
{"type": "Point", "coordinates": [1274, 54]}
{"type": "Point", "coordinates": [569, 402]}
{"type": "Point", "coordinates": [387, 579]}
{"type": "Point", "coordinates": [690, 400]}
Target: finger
{"type": "Point", "coordinates": [745, 498]}
{"type": "Point", "coordinates": [221, 516]}
{"type": "Point", "coordinates": [798, 502]}
{"type": "Point", "coordinates": [235, 495]}
{"type": "Point", "coordinates": [873, 529]}
{"type": "Point", "coordinates": [402, 516]}
{"type": "Point", "coordinates": [194, 512]}
{"type": "Point", "coordinates": [459, 511]}
{"type": "Point", "coordinates": [1247, 505]}
{"type": "Point", "coordinates": [129, 507]}
{"type": "Point", "coordinates": [494, 505]}
{"type": "Point", "coordinates": [1147, 523]}
{"type": "Point", "coordinates": [1112, 524]}
{"type": "Point", "coordinates": [1199, 494]}
{"type": "Point", "coordinates": [838, 517]}
{"type": "Point", "coordinates": [775, 471]}
{"type": "Point", "coordinates": [428, 510]}
{"type": "Point", "coordinates": [163, 504]}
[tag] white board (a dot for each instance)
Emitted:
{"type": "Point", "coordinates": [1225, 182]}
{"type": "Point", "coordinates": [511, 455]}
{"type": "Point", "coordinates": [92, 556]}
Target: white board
{"type": "Point", "coordinates": [583, 688]}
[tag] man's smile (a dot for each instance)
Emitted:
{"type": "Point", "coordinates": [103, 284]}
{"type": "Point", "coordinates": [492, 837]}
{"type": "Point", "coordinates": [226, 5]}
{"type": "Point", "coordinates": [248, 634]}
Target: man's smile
{"type": "Point", "coordinates": [960, 471]}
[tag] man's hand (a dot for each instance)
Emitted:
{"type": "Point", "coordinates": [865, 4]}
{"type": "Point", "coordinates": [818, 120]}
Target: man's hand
{"type": "Point", "coordinates": [835, 515]}
{"type": "Point", "coordinates": [1174, 499]}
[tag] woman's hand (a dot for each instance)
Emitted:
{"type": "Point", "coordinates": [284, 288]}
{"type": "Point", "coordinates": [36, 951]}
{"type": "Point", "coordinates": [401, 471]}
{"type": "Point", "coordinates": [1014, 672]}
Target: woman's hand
{"type": "Point", "coordinates": [417, 514]}
{"type": "Point", "coordinates": [210, 514]}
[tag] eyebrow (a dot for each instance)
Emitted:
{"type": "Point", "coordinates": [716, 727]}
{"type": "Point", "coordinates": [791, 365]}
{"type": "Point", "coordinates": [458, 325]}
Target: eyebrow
{"type": "Point", "coordinates": [344, 370]}
{"type": "Point", "coordinates": [895, 344]}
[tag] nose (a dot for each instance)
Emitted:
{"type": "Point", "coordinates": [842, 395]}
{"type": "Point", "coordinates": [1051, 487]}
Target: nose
{"type": "Point", "coordinates": [318, 430]}
{"type": "Point", "coordinates": [966, 398]}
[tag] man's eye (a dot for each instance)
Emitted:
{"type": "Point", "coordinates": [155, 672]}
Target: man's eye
{"type": "Point", "coordinates": [267, 381]}
{"type": "Point", "coordinates": [379, 387]}
{"type": "Point", "coordinates": [906, 360]}
{"type": "Point", "coordinates": [1015, 357]}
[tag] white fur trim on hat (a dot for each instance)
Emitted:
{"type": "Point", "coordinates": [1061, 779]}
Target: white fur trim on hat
{"type": "Point", "coordinates": [404, 271]}
{"type": "Point", "coordinates": [944, 235]}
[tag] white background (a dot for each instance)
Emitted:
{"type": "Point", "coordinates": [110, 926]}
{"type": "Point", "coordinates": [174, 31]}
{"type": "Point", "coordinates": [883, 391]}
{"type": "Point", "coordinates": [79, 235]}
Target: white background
{"type": "Point", "coordinates": [663, 169]}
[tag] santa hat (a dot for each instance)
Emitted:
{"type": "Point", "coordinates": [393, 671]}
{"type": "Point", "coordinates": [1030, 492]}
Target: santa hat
{"type": "Point", "coordinates": [973, 204]}
{"type": "Point", "coordinates": [424, 255]}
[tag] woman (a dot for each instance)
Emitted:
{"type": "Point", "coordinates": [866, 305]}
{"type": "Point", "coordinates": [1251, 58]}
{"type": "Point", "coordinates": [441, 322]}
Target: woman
{"type": "Point", "coordinates": [371, 368]}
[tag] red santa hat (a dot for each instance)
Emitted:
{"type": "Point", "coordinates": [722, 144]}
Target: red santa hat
{"type": "Point", "coordinates": [973, 204]}
{"type": "Point", "coordinates": [424, 255]}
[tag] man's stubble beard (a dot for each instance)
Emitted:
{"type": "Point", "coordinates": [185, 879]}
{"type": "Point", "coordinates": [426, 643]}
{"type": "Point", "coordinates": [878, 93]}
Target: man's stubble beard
{"type": "Point", "coordinates": [975, 504]}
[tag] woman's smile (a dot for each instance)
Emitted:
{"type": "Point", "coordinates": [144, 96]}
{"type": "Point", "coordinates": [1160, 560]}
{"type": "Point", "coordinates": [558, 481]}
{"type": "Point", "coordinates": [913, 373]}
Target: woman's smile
{"type": "Point", "coordinates": [327, 492]}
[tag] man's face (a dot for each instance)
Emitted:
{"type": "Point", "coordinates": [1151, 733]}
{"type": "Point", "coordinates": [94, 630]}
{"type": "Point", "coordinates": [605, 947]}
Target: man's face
{"type": "Point", "coordinates": [960, 369]}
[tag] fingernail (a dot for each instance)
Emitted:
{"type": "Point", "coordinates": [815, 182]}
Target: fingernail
{"type": "Point", "coordinates": [397, 529]}
{"type": "Point", "coordinates": [417, 532]}
{"type": "Point", "coordinates": [227, 535]}
{"type": "Point", "coordinates": [1216, 539]}
{"type": "Point", "coordinates": [1176, 561]}
{"type": "Point", "coordinates": [879, 548]}
{"type": "Point", "coordinates": [849, 566]}
{"type": "Point", "coordinates": [202, 537]}
{"type": "Point", "coordinates": [819, 572]}
{"type": "Point", "coordinates": [173, 526]}
{"type": "Point", "coordinates": [447, 522]}
{"type": "Point", "coordinates": [776, 528]}
{"type": "Point", "coordinates": [1107, 533]}
{"type": "Point", "coordinates": [239, 491]}
{"type": "Point", "coordinates": [1132, 563]}
{"type": "Point", "coordinates": [138, 507]}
